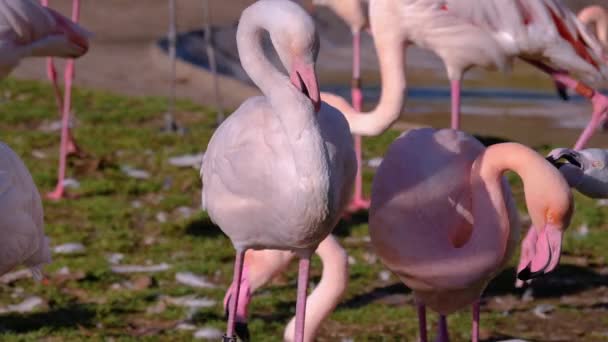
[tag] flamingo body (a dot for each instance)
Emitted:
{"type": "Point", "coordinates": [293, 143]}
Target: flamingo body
{"type": "Point", "coordinates": [241, 170]}
{"type": "Point", "coordinates": [279, 171]}
{"type": "Point", "coordinates": [422, 216]}
{"type": "Point", "coordinates": [21, 217]}
{"type": "Point", "coordinates": [443, 218]}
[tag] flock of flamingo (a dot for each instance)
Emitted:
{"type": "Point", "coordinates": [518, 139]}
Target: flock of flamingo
{"type": "Point", "coordinates": [280, 171]}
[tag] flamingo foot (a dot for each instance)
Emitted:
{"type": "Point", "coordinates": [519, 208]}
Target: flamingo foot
{"type": "Point", "coordinates": [171, 125]}
{"type": "Point", "coordinates": [229, 339]}
{"type": "Point", "coordinates": [56, 194]}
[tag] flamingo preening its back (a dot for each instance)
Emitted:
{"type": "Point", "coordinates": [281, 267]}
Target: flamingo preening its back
{"type": "Point", "coordinates": [443, 218]}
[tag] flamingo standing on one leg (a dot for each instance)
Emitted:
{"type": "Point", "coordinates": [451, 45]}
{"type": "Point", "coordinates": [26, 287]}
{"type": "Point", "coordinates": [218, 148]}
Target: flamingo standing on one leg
{"type": "Point", "coordinates": [261, 266]}
{"type": "Point", "coordinates": [276, 173]}
{"type": "Point", "coordinates": [443, 218]}
{"type": "Point", "coordinates": [352, 13]}
{"type": "Point", "coordinates": [467, 33]}
{"type": "Point", "coordinates": [28, 30]}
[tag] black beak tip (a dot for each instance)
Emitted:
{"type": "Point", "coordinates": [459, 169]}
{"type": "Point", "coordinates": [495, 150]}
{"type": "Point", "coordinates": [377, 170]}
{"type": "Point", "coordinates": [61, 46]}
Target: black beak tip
{"type": "Point", "coordinates": [526, 274]}
{"type": "Point", "coordinates": [563, 94]}
{"type": "Point", "coordinates": [242, 331]}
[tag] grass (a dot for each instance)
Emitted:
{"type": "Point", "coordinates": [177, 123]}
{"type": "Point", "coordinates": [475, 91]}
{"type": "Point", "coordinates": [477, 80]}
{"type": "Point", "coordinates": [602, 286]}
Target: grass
{"type": "Point", "coordinates": [118, 214]}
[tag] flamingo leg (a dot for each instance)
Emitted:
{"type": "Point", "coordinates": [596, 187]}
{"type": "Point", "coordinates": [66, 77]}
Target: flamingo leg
{"type": "Point", "coordinates": [210, 48]}
{"type": "Point", "coordinates": [303, 273]}
{"type": "Point", "coordinates": [443, 330]}
{"type": "Point", "coordinates": [241, 325]}
{"type": "Point", "coordinates": [456, 90]}
{"type": "Point", "coordinates": [358, 202]}
{"type": "Point", "coordinates": [72, 147]}
{"type": "Point", "coordinates": [64, 145]}
{"type": "Point", "coordinates": [598, 100]}
{"type": "Point", "coordinates": [171, 124]}
{"type": "Point", "coordinates": [475, 329]}
{"type": "Point", "coordinates": [238, 273]}
{"type": "Point", "coordinates": [422, 322]}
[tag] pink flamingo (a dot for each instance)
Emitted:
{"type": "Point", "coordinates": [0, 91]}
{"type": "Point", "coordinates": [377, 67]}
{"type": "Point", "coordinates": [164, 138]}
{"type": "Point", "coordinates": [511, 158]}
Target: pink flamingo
{"type": "Point", "coordinates": [467, 33]}
{"type": "Point", "coordinates": [261, 266]}
{"type": "Point", "coordinates": [597, 15]}
{"type": "Point", "coordinates": [68, 145]}
{"type": "Point", "coordinates": [276, 173]}
{"type": "Point", "coordinates": [443, 218]}
{"type": "Point", "coordinates": [28, 30]}
{"type": "Point", "coordinates": [22, 220]}
{"type": "Point", "coordinates": [353, 14]}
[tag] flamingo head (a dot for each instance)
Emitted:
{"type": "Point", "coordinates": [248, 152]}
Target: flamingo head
{"type": "Point", "coordinates": [304, 78]}
{"type": "Point", "coordinates": [71, 39]}
{"type": "Point", "coordinates": [550, 215]}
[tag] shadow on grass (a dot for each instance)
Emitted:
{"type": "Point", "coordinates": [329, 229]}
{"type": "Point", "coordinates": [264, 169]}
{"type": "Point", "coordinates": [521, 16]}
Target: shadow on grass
{"type": "Point", "coordinates": [71, 316]}
{"type": "Point", "coordinates": [375, 295]}
{"type": "Point", "coordinates": [565, 280]}
{"type": "Point", "coordinates": [344, 226]}
{"type": "Point", "coordinates": [501, 337]}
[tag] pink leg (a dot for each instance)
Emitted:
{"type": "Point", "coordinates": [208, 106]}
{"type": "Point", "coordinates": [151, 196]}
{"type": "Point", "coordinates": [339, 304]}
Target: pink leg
{"type": "Point", "coordinates": [59, 190]}
{"type": "Point", "coordinates": [303, 272]}
{"type": "Point", "coordinates": [443, 330]}
{"type": "Point", "coordinates": [598, 100]}
{"type": "Point", "coordinates": [358, 202]}
{"type": "Point", "coordinates": [455, 84]}
{"type": "Point", "coordinates": [244, 299]}
{"type": "Point", "coordinates": [422, 322]}
{"type": "Point", "coordinates": [475, 331]}
{"type": "Point", "coordinates": [72, 148]}
{"type": "Point", "coordinates": [238, 271]}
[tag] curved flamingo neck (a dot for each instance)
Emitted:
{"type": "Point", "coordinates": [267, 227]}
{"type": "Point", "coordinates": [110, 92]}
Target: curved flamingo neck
{"type": "Point", "coordinates": [389, 42]}
{"type": "Point", "coordinates": [492, 200]}
{"type": "Point", "coordinates": [262, 72]}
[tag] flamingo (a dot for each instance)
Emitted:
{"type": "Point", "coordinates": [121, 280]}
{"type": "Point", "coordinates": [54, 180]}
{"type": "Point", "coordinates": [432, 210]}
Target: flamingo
{"type": "Point", "coordinates": [597, 15]}
{"type": "Point", "coordinates": [68, 144]}
{"type": "Point", "coordinates": [278, 172]}
{"type": "Point", "coordinates": [28, 30]}
{"type": "Point", "coordinates": [585, 170]}
{"type": "Point", "coordinates": [467, 33]}
{"type": "Point", "coordinates": [22, 220]}
{"type": "Point", "coordinates": [443, 219]}
{"type": "Point", "coordinates": [261, 266]}
{"type": "Point", "coordinates": [353, 14]}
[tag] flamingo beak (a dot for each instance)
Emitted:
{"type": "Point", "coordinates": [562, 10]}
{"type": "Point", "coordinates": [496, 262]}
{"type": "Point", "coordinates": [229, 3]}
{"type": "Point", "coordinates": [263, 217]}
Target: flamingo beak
{"type": "Point", "coordinates": [76, 34]}
{"type": "Point", "coordinates": [546, 254]}
{"type": "Point", "coordinates": [304, 78]}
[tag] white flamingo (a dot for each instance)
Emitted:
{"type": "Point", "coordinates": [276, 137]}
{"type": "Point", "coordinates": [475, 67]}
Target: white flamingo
{"type": "Point", "coordinates": [278, 173]}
